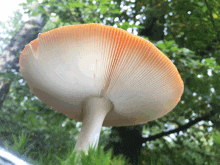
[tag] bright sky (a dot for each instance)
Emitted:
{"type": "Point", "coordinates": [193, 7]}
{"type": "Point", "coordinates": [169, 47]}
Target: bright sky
{"type": "Point", "coordinates": [7, 7]}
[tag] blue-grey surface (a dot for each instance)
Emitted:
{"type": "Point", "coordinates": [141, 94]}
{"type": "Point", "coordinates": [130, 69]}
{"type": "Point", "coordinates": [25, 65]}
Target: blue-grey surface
{"type": "Point", "coordinates": [9, 158]}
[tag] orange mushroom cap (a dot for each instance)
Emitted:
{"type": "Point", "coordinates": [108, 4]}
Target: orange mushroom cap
{"type": "Point", "coordinates": [66, 65]}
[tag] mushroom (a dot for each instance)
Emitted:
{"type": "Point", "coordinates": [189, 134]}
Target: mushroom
{"type": "Point", "coordinates": [101, 76]}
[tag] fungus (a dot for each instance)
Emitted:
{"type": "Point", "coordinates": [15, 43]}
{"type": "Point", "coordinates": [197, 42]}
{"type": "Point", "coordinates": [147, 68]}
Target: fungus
{"type": "Point", "coordinates": [101, 76]}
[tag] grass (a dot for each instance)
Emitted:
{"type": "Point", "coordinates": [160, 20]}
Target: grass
{"type": "Point", "coordinates": [22, 146]}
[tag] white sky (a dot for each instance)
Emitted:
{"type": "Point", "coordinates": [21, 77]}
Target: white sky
{"type": "Point", "coordinates": [7, 7]}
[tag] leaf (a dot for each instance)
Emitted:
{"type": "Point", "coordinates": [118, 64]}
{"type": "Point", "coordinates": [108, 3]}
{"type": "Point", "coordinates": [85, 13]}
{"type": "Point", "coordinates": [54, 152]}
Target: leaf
{"type": "Point", "coordinates": [103, 9]}
{"type": "Point", "coordinates": [161, 45]}
{"type": "Point", "coordinates": [104, 1]}
{"type": "Point", "coordinates": [169, 43]}
{"type": "Point", "coordinates": [208, 60]}
{"type": "Point", "coordinates": [29, 1]}
{"type": "Point", "coordinates": [91, 7]}
{"type": "Point", "coordinates": [124, 26]}
{"type": "Point", "coordinates": [216, 67]}
{"type": "Point", "coordinates": [116, 11]}
{"type": "Point", "coordinates": [77, 4]}
{"type": "Point", "coordinates": [174, 48]}
{"type": "Point", "coordinates": [215, 16]}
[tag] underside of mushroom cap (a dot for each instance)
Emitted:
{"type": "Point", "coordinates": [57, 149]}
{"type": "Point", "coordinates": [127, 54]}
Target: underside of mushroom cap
{"type": "Point", "coordinates": [66, 65]}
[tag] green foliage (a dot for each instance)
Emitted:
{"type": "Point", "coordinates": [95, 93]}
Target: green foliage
{"type": "Point", "coordinates": [194, 24]}
{"type": "Point", "coordinates": [20, 143]}
{"type": "Point", "coordinates": [94, 157]}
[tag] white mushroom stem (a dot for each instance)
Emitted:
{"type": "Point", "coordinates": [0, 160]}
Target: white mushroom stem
{"type": "Point", "coordinates": [94, 112]}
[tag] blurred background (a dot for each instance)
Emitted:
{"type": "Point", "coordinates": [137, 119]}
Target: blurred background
{"type": "Point", "coordinates": [187, 31]}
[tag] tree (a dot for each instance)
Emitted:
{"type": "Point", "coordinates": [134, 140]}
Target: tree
{"type": "Point", "coordinates": [10, 56]}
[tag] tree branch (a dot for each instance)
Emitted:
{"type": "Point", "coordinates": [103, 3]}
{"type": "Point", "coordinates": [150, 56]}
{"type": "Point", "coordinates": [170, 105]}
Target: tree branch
{"type": "Point", "coordinates": [10, 56]}
{"type": "Point", "coordinates": [212, 20]}
{"type": "Point", "coordinates": [180, 128]}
